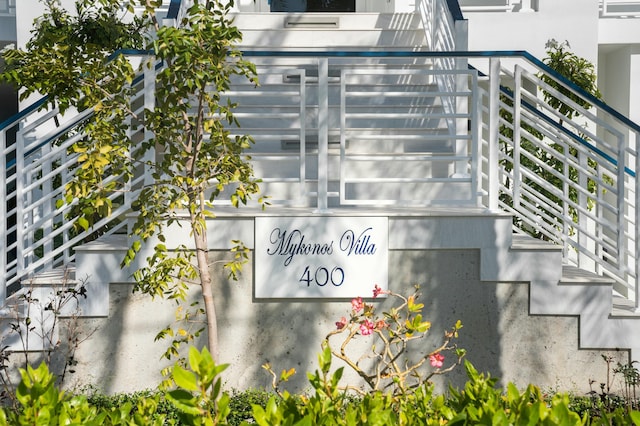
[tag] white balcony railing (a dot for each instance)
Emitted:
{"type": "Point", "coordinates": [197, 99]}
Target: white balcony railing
{"type": "Point", "coordinates": [370, 129]}
{"type": "Point", "coordinates": [608, 8]}
{"type": "Point", "coordinates": [498, 5]}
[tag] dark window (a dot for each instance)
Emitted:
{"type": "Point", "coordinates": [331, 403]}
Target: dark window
{"type": "Point", "coordinates": [313, 5]}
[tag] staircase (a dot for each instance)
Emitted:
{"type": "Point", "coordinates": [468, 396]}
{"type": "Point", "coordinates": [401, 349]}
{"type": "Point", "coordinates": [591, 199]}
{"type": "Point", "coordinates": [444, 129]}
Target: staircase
{"type": "Point", "coordinates": [359, 114]}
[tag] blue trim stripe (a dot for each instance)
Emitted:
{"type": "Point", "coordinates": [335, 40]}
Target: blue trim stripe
{"type": "Point", "coordinates": [454, 8]}
{"type": "Point", "coordinates": [582, 141]}
{"type": "Point", "coordinates": [174, 8]}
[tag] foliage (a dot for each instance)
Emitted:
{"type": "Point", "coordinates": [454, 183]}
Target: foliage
{"type": "Point", "coordinates": [199, 396]}
{"type": "Point", "coordinates": [480, 402]}
{"type": "Point", "coordinates": [41, 403]}
{"type": "Point", "coordinates": [546, 164]}
{"type": "Point", "coordinates": [198, 400]}
{"type": "Point", "coordinates": [164, 408]}
{"type": "Point", "coordinates": [181, 144]}
{"type": "Point", "coordinates": [200, 158]}
{"type": "Point", "coordinates": [605, 403]}
{"type": "Point", "coordinates": [329, 405]}
{"type": "Point", "coordinates": [73, 49]}
{"type": "Point", "coordinates": [397, 382]}
{"type": "Point", "coordinates": [241, 403]}
{"type": "Point", "coordinates": [36, 322]}
{"type": "Point", "coordinates": [399, 332]}
{"type": "Point", "coordinates": [578, 70]}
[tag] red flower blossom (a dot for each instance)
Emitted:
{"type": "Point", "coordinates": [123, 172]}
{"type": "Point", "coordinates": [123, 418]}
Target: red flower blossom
{"type": "Point", "coordinates": [357, 304]}
{"type": "Point", "coordinates": [342, 323]}
{"type": "Point", "coordinates": [366, 327]}
{"type": "Point", "coordinates": [377, 291]}
{"type": "Point", "coordinates": [436, 360]}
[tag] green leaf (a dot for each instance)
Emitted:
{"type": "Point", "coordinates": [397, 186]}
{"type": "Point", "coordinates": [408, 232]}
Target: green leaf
{"type": "Point", "coordinates": [84, 223]}
{"type": "Point", "coordinates": [185, 379]}
{"type": "Point", "coordinates": [184, 401]}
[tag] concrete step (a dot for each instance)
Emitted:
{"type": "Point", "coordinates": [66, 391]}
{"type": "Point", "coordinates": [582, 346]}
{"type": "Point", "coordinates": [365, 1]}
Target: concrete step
{"type": "Point", "coordinates": [524, 260]}
{"type": "Point", "coordinates": [331, 30]}
{"type": "Point", "coordinates": [578, 292]}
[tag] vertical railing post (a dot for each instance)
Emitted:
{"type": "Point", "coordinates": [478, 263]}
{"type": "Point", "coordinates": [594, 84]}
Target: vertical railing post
{"type": "Point", "coordinates": [494, 124]}
{"type": "Point", "coordinates": [149, 105]}
{"type": "Point", "coordinates": [302, 165]}
{"type": "Point", "coordinates": [47, 208]}
{"type": "Point", "coordinates": [149, 82]}
{"type": "Point", "coordinates": [517, 132]}
{"type": "Point", "coordinates": [587, 225]}
{"type": "Point", "coordinates": [20, 264]}
{"type": "Point", "coordinates": [476, 149]}
{"type": "Point", "coordinates": [621, 205]}
{"type": "Point", "coordinates": [461, 101]}
{"type": "Point", "coordinates": [3, 214]}
{"type": "Point", "coordinates": [636, 231]}
{"type": "Point", "coordinates": [323, 134]}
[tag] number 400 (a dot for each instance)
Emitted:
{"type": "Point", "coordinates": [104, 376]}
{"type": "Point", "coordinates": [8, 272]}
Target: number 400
{"type": "Point", "coordinates": [322, 276]}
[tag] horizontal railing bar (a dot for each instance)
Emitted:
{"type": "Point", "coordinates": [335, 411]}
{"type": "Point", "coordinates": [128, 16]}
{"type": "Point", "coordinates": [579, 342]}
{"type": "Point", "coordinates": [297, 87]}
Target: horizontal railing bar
{"type": "Point", "coordinates": [406, 180]}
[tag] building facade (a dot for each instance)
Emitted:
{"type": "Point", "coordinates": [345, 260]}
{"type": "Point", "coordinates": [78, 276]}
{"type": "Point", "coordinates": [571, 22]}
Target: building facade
{"type": "Point", "coordinates": [533, 311]}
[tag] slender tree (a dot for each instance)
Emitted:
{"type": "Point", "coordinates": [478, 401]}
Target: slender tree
{"type": "Point", "coordinates": [190, 152]}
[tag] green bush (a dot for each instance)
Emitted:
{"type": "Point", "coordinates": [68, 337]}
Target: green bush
{"type": "Point", "coordinates": [198, 400]}
{"type": "Point", "coordinates": [241, 405]}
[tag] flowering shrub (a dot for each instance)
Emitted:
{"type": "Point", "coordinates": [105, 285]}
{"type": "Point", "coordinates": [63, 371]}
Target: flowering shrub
{"type": "Point", "coordinates": [396, 332]}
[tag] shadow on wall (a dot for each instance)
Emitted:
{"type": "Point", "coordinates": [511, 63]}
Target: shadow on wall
{"type": "Point", "coordinates": [285, 334]}
{"type": "Point", "coordinates": [288, 334]}
{"type": "Point", "coordinates": [451, 290]}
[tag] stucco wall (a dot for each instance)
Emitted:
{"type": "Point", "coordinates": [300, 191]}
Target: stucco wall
{"type": "Point", "coordinates": [119, 353]}
{"type": "Point", "coordinates": [573, 20]}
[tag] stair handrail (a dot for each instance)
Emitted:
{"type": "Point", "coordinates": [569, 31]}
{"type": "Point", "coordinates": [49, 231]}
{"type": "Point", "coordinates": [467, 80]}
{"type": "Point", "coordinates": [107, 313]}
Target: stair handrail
{"type": "Point", "coordinates": [18, 261]}
{"type": "Point", "coordinates": [621, 160]}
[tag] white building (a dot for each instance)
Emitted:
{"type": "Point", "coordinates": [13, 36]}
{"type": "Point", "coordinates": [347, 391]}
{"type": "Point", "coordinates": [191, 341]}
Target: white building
{"type": "Point", "coordinates": [386, 114]}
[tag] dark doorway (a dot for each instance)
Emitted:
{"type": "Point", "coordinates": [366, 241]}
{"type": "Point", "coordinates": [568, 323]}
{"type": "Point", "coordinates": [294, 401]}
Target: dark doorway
{"type": "Point", "coordinates": [313, 5]}
{"type": "Point", "coordinates": [331, 5]}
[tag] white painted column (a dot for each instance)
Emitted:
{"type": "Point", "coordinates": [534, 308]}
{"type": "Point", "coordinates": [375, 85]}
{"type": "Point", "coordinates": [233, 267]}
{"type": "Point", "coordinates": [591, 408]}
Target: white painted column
{"type": "Point", "coordinates": [323, 134]}
{"type": "Point", "coordinates": [494, 124]}
{"type": "Point", "coordinates": [3, 216]}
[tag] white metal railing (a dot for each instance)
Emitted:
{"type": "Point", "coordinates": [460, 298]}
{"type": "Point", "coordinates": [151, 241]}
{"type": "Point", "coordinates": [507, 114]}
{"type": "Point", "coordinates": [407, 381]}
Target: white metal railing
{"type": "Point", "coordinates": [619, 8]}
{"type": "Point", "coordinates": [344, 129]}
{"type": "Point", "coordinates": [570, 181]}
{"type": "Point", "coordinates": [37, 233]}
{"type": "Point", "coordinates": [608, 8]}
{"type": "Point", "coordinates": [498, 5]}
{"type": "Point", "coordinates": [362, 128]}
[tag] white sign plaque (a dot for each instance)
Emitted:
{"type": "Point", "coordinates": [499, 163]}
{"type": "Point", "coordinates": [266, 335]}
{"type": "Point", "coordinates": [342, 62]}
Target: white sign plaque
{"type": "Point", "coordinates": [320, 256]}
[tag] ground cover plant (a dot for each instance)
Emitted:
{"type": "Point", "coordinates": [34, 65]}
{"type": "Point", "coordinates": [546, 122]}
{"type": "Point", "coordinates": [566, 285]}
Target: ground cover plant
{"type": "Point", "coordinates": [399, 392]}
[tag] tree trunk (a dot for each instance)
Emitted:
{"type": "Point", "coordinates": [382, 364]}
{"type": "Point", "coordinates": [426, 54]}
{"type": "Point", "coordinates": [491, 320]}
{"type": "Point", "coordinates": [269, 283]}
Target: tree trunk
{"type": "Point", "coordinates": [202, 255]}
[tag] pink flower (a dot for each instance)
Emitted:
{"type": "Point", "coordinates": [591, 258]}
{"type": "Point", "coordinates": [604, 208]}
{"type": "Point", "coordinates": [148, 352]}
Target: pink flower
{"type": "Point", "coordinates": [377, 291]}
{"type": "Point", "coordinates": [357, 304]}
{"type": "Point", "coordinates": [342, 323]}
{"type": "Point", "coordinates": [366, 327]}
{"type": "Point", "coordinates": [436, 360]}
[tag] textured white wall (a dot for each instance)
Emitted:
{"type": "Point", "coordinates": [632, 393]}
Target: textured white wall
{"type": "Point", "coordinates": [500, 336]}
{"type": "Point", "coordinates": [573, 20]}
